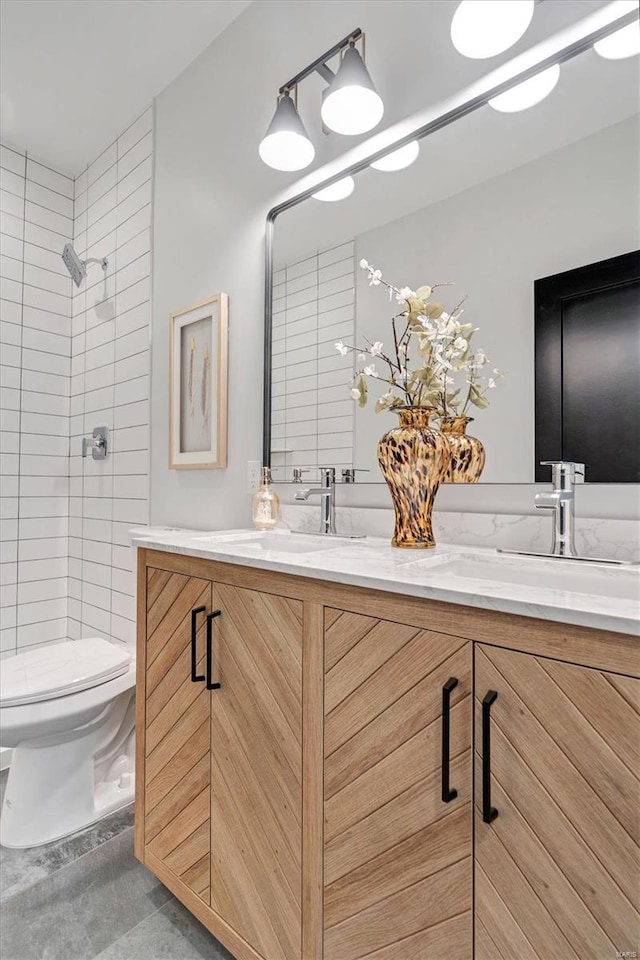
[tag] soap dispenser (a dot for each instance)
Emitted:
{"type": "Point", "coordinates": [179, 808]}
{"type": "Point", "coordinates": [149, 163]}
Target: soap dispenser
{"type": "Point", "coordinates": [265, 504]}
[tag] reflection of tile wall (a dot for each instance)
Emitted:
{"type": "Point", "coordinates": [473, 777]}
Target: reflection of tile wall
{"type": "Point", "coordinates": [312, 412]}
{"type": "Point", "coordinates": [110, 383]}
{"type": "Point", "coordinates": [35, 330]}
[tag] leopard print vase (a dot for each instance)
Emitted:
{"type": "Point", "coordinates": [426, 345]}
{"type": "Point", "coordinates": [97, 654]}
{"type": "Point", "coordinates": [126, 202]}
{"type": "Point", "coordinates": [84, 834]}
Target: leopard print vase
{"type": "Point", "coordinates": [413, 458]}
{"type": "Point", "coordinates": [467, 453]}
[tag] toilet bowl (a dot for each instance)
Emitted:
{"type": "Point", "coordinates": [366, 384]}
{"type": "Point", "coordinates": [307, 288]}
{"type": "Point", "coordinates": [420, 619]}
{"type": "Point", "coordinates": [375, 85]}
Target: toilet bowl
{"type": "Point", "coordinates": [68, 712]}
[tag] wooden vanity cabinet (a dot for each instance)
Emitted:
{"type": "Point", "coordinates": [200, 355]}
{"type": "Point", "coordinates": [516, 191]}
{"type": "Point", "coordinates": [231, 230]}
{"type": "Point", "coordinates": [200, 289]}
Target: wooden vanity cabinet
{"type": "Point", "coordinates": [304, 778]}
{"type": "Point", "coordinates": [397, 791]}
{"type": "Point", "coordinates": [556, 865]}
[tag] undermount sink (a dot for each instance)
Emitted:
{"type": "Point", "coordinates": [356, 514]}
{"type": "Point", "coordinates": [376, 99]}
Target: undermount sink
{"type": "Point", "coordinates": [285, 543]}
{"type": "Point", "coordinates": [558, 575]}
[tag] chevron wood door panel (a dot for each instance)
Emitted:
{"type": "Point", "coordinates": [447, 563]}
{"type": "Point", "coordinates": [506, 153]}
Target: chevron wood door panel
{"type": "Point", "coordinates": [397, 857]}
{"type": "Point", "coordinates": [557, 869]}
{"type": "Point", "coordinates": [177, 796]}
{"type": "Point", "coordinates": [256, 776]}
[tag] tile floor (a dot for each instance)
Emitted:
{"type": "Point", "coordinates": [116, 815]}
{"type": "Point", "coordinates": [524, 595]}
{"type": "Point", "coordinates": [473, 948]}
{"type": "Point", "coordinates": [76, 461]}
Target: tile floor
{"type": "Point", "coordinates": [86, 897]}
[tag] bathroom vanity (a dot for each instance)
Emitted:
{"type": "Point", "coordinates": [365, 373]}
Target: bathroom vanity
{"type": "Point", "coordinates": [345, 750]}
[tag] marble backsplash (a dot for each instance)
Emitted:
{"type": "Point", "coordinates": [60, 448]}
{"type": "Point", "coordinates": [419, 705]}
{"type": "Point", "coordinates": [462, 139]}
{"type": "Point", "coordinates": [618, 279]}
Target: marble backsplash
{"type": "Point", "coordinates": [599, 538]}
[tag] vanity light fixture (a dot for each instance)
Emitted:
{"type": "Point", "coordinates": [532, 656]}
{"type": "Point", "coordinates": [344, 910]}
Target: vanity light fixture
{"type": "Point", "coordinates": [285, 145]}
{"type": "Point", "coordinates": [350, 105]}
{"type": "Point", "coordinates": [339, 190]}
{"type": "Point", "coordinates": [485, 28]}
{"type": "Point", "coordinates": [399, 159]}
{"type": "Point", "coordinates": [527, 93]}
{"type": "Point", "coordinates": [621, 44]}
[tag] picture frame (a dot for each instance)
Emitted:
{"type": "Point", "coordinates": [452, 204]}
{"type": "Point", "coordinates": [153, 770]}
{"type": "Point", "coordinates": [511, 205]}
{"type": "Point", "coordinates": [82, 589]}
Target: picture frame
{"type": "Point", "coordinates": [198, 385]}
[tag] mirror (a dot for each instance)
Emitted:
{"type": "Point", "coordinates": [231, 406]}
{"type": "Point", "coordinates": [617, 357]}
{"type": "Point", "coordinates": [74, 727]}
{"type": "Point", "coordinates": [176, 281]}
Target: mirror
{"type": "Point", "coordinates": [494, 202]}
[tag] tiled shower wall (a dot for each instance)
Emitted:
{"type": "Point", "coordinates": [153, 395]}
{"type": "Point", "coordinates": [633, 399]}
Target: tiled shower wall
{"type": "Point", "coordinates": [37, 220]}
{"type": "Point", "coordinates": [110, 383]}
{"type": "Point", "coordinates": [312, 412]}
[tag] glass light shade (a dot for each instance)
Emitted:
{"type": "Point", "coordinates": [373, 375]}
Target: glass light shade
{"type": "Point", "coordinates": [285, 145]}
{"type": "Point", "coordinates": [399, 159]}
{"type": "Point", "coordinates": [621, 44]}
{"type": "Point", "coordinates": [351, 104]}
{"type": "Point", "coordinates": [337, 191]}
{"type": "Point", "coordinates": [484, 28]}
{"type": "Point", "coordinates": [527, 93]}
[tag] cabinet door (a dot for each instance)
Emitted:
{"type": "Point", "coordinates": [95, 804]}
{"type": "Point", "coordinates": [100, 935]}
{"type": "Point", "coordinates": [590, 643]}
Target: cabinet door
{"type": "Point", "coordinates": [256, 771]}
{"type": "Point", "coordinates": [177, 729]}
{"type": "Point", "coordinates": [557, 868]}
{"type": "Point", "coordinates": [397, 855]}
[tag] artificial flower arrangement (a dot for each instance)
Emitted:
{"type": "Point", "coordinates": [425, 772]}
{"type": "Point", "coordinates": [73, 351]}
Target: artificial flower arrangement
{"type": "Point", "coordinates": [431, 354]}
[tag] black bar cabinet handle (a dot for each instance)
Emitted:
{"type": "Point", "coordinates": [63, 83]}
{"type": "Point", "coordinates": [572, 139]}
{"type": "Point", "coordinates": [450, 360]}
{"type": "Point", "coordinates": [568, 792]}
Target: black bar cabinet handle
{"type": "Point", "coordinates": [447, 793]}
{"type": "Point", "coordinates": [210, 618]}
{"type": "Point", "coordinates": [195, 676]}
{"type": "Point", "coordinates": [489, 813]}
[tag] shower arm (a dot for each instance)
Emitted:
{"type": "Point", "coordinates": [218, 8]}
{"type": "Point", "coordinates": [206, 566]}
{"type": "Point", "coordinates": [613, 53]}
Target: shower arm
{"type": "Point", "coordinates": [102, 261]}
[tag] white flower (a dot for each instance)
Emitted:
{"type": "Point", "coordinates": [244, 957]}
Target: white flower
{"type": "Point", "coordinates": [444, 315]}
{"type": "Point", "coordinates": [405, 293]}
{"type": "Point", "coordinates": [374, 277]}
{"type": "Point", "coordinates": [376, 348]}
{"type": "Point", "coordinates": [460, 344]}
{"type": "Point", "coordinates": [362, 356]}
{"type": "Point", "coordinates": [370, 371]}
{"type": "Point", "coordinates": [364, 264]}
{"type": "Point", "coordinates": [342, 350]}
{"type": "Point", "coordinates": [355, 393]}
{"type": "Point", "coordinates": [491, 383]}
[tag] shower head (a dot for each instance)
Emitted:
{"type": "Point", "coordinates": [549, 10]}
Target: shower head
{"type": "Point", "coordinates": [74, 264]}
{"type": "Point", "coordinates": [77, 267]}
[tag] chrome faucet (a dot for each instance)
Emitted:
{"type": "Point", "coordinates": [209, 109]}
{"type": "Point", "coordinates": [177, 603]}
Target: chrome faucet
{"type": "Point", "coordinates": [327, 493]}
{"type": "Point", "coordinates": [564, 475]}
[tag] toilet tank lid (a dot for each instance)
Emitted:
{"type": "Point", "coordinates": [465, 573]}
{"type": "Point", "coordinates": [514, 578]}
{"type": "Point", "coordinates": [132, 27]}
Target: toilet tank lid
{"type": "Point", "coordinates": [59, 669]}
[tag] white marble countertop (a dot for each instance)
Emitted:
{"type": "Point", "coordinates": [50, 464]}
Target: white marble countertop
{"type": "Point", "coordinates": [587, 594]}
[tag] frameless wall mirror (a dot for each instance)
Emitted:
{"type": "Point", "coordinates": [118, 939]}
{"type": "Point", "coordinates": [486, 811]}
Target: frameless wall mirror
{"type": "Point", "coordinates": [492, 203]}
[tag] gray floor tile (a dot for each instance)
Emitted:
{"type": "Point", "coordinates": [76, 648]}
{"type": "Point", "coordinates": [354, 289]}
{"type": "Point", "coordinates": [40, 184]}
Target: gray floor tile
{"type": "Point", "coordinates": [83, 907]}
{"type": "Point", "coordinates": [20, 869]}
{"type": "Point", "coordinates": [170, 934]}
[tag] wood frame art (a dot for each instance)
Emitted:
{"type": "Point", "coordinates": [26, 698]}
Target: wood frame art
{"type": "Point", "coordinates": [198, 385]}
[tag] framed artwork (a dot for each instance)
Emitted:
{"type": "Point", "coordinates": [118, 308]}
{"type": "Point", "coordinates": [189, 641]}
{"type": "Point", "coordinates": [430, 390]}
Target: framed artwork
{"type": "Point", "coordinates": [198, 386]}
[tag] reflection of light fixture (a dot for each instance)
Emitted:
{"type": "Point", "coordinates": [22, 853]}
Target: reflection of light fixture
{"type": "Point", "coordinates": [286, 145]}
{"type": "Point", "coordinates": [484, 28]}
{"type": "Point", "coordinates": [527, 93]}
{"type": "Point", "coordinates": [350, 105]}
{"type": "Point", "coordinates": [337, 191]}
{"type": "Point", "coordinates": [621, 44]}
{"type": "Point", "coordinates": [399, 159]}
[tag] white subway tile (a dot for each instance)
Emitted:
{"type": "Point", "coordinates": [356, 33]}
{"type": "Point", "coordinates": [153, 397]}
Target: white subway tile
{"type": "Point", "coordinates": [39, 173]}
{"type": "Point", "coordinates": [45, 631]}
{"type": "Point", "coordinates": [101, 207]}
{"type": "Point", "coordinates": [52, 383]}
{"type": "Point", "coordinates": [135, 156]}
{"type": "Point", "coordinates": [11, 312]}
{"type": "Point", "coordinates": [44, 549]}
{"type": "Point", "coordinates": [131, 414]}
{"type": "Point", "coordinates": [11, 204]}
{"type": "Point", "coordinates": [135, 132]}
{"type": "Point", "coordinates": [138, 200]}
{"type": "Point", "coordinates": [44, 466]}
{"type": "Point", "coordinates": [11, 247]}
{"type": "Point", "coordinates": [10, 268]}
{"type": "Point", "coordinates": [131, 391]}
{"type": "Point", "coordinates": [137, 208]}
{"type": "Point", "coordinates": [134, 272]}
{"type": "Point", "coordinates": [50, 199]}
{"type": "Point", "coordinates": [42, 590]}
{"type": "Point", "coordinates": [12, 160]}
{"type": "Point", "coordinates": [42, 528]}
{"type": "Point", "coordinates": [11, 226]}
{"type": "Point", "coordinates": [47, 280]}
{"type": "Point", "coordinates": [50, 568]}
{"type": "Point", "coordinates": [106, 159]}
{"type": "Point", "coordinates": [100, 187]}
{"type": "Point", "coordinates": [44, 300]}
{"type": "Point", "coordinates": [46, 403]}
{"type": "Point", "coordinates": [131, 368]}
{"type": "Point", "coordinates": [50, 220]}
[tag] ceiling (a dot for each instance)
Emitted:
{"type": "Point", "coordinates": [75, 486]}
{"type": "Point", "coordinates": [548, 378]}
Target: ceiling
{"type": "Point", "coordinates": [75, 73]}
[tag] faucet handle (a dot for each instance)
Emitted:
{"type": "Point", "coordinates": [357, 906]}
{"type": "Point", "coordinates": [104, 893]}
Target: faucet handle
{"type": "Point", "coordinates": [297, 474]}
{"type": "Point", "coordinates": [349, 473]}
{"type": "Point", "coordinates": [564, 473]}
{"type": "Point", "coordinates": [328, 474]}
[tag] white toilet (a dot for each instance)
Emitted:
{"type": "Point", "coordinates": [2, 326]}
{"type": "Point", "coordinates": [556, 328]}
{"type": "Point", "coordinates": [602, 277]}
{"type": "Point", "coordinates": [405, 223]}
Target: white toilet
{"type": "Point", "coordinates": [68, 712]}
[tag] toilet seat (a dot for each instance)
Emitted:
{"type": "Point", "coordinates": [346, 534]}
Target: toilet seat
{"type": "Point", "coordinates": [60, 669]}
